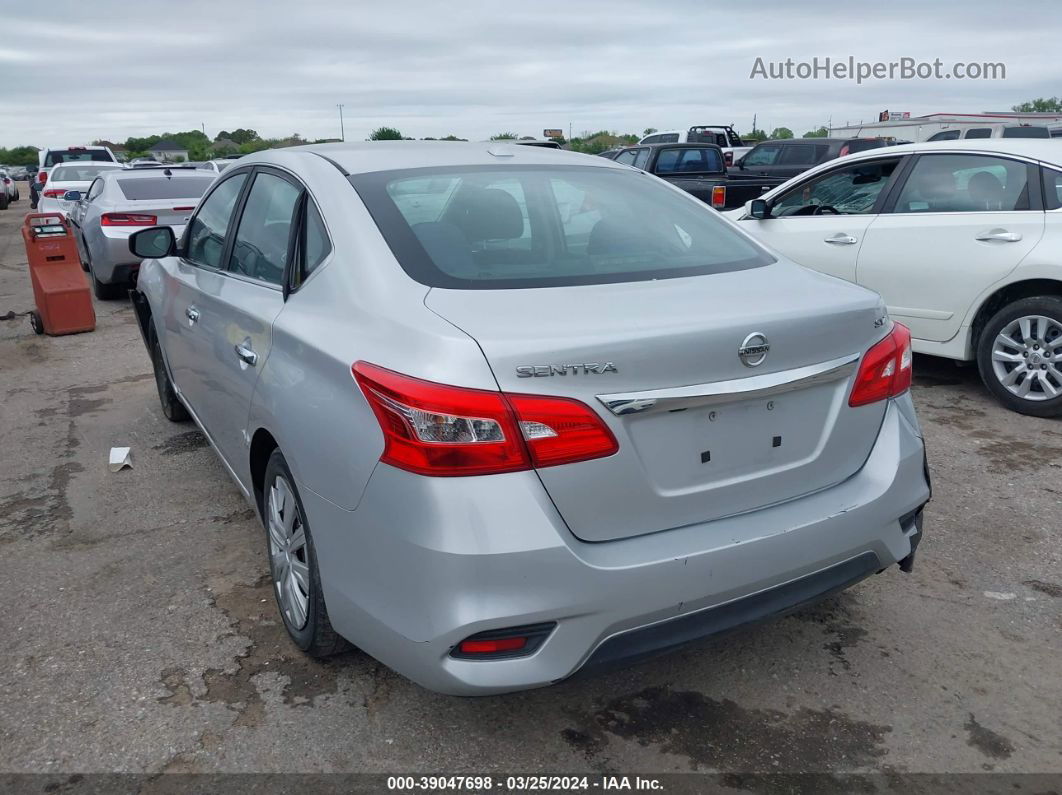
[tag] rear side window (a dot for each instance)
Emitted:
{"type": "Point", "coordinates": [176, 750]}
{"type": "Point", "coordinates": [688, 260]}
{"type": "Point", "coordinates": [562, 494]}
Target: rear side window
{"type": "Point", "coordinates": [1026, 132]}
{"type": "Point", "coordinates": [947, 135]}
{"type": "Point", "coordinates": [491, 227]}
{"type": "Point", "coordinates": [1052, 189]}
{"type": "Point", "coordinates": [765, 155]}
{"type": "Point", "coordinates": [207, 231]}
{"type": "Point", "coordinates": [627, 158]}
{"type": "Point", "coordinates": [144, 188]}
{"type": "Point", "coordinates": [688, 161]}
{"type": "Point", "coordinates": [260, 250]}
{"type": "Point", "coordinates": [979, 132]}
{"type": "Point", "coordinates": [668, 138]}
{"type": "Point", "coordinates": [965, 183]}
{"type": "Point", "coordinates": [798, 155]}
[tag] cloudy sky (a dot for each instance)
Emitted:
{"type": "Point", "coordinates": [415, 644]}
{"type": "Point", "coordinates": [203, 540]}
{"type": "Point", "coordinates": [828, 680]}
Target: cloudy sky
{"type": "Point", "coordinates": [103, 69]}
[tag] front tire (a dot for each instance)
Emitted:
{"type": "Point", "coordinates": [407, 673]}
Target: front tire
{"type": "Point", "coordinates": [1019, 355]}
{"type": "Point", "coordinates": [172, 407]}
{"type": "Point", "coordinates": [293, 564]}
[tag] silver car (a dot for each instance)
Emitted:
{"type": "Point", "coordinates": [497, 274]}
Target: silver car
{"type": "Point", "coordinates": [118, 203]}
{"type": "Point", "coordinates": [509, 413]}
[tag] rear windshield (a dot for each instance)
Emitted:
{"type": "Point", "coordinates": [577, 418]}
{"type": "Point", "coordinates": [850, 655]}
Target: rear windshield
{"type": "Point", "coordinates": [85, 173]}
{"type": "Point", "coordinates": [489, 227]}
{"type": "Point", "coordinates": [71, 155]}
{"type": "Point", "coordinates": [140, 188]}
{"type": "Point", "coordinates": [688, 161]}
{"type": "Point", "coordinates": [1026, 132]}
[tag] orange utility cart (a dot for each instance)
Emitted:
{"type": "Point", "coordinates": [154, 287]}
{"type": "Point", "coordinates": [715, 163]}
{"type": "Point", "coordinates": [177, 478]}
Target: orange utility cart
{"type": "Point", "coordinates": [60, 289]}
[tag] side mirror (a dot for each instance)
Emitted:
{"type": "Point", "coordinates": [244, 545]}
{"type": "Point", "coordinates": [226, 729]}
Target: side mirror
{"type": "Point", "coordinates": [72, 196]}
{"type": "Point", "coordinates": [740, 163]}
{"type": "Point", "coordinates": [758, 208]}
{"type": "Point", "coordinates": [153, 243]}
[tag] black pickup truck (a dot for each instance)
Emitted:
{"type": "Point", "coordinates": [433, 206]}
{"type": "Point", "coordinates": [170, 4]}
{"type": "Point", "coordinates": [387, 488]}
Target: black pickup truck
{"type": "Point", "coordinates": [698, 169]}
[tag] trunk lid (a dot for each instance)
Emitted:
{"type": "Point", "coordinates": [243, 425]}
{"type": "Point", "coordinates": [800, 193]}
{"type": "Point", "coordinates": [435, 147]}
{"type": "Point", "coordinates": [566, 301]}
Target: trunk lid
{"type": "Point", "coordinates": [687, 460]}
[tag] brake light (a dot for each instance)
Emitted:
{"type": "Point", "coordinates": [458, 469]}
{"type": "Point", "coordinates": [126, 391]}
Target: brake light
{"type": "Point", "coordinates": [440, 430]}
{"type": "Point", "coordinates": [42, 177]}
{"type": "Point", "coordinates": [885, 370]}
{"type": "Point", "coordinates": [728, 158]}
{"type": "Point", "coordinates": [844, 151]}
{"type": "Point", "coordinates": [491, 646]}
{"type": "Point", "coordinates": [127, 219]}
{"type": "Point", "coordinates": [719, 197]}
{"type": "Point", "coordinates": [54, 193]}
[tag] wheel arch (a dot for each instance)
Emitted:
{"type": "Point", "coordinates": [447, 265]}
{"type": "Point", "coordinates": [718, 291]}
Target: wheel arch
{"type": "Point", "coordinates": [262, 446]}
{"type": "Point", "coordinates": [1007, 294]}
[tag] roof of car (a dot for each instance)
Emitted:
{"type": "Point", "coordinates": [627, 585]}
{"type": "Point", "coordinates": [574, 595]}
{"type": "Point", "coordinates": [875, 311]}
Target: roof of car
{"type": "Point", "coordinates": [367, 156]}
{"type": "Point", "coordinates": [1048, 149]}
{"type": "Point", "coordinates": [671, 145]}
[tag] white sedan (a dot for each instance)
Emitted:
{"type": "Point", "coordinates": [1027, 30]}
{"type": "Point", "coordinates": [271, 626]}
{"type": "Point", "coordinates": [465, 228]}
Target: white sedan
{"type": "Point", "coordinates": [962, 239]}
{"type": "Point", "coordinates": [63, 177]}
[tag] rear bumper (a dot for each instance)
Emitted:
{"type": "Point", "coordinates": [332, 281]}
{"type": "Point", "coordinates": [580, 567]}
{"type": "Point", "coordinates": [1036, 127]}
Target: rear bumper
{"type": "Point", "coordinates": [112, 261]}
{"type": "Point", "coordinates": [422, 563]}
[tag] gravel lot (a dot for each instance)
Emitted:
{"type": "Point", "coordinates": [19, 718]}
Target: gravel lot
{"type": "Point", "coordinates": [140, 633]}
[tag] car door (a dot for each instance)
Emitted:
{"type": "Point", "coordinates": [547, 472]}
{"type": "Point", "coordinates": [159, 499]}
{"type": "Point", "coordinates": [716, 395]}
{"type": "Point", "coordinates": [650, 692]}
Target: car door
{"type": "Point", "coordinates": [236, 313]}
{"type": "Point", "coordinates": [761, 160]}
{"type": "Point", "coordinates": [820, 222]}
{"type": "Point", "coordinates": [196, 273]}
{"type": "Point", "coordinates": [795, 159]}
{"type": "Point", "coordinates": [959, 223]}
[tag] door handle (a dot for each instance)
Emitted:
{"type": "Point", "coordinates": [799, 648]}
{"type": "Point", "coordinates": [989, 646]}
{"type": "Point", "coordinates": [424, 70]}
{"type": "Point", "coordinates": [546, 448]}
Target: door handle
{"type": "Point", "coordinates": [1000, 235]}
{"type": "Point", "coordinates": [245, 354]}
{"type": "Point", "coordinates": [192, 314]}
{"type": "Point", "coordinates": [840, 240]}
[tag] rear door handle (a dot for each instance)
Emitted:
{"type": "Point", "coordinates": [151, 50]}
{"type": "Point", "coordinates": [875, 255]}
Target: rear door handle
{"type": "Point", "coordinates": [245, 354]}
{"type": "Point", "coordinates": [999, 235]}
{"type": "Point", "coordinates": [841, 240]}
{"type": "Point", "coordinates": [192, 314]}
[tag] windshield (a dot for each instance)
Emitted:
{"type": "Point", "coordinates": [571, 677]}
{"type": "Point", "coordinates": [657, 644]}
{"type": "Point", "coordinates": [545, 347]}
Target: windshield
{"type": "Point", "coordinates": [492, 227]}
{"type": "Point", "coordinates": [84, 173]}
{"type": "Point", "coordinates": [164, 187]}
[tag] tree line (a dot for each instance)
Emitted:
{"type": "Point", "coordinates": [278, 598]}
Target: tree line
{"type": "Point", "coordinates": [242, 141]}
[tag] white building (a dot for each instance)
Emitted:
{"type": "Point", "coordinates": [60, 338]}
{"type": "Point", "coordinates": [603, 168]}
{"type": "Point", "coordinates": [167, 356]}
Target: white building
{"type": "Point", "coordinates": [922, 128]}
{"type": "Point", "coordinates": [167, 151]}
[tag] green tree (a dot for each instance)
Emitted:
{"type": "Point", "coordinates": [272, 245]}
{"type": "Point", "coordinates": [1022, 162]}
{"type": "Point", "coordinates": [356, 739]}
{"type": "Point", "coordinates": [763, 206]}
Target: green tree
{"type": "Point", "coordinates": [385, 134]}
{"type": "Point", "coordinates": [504, 136]}
{"type": "Point", "coordinates": [755, 136]}
{"type": "Point", "coordinates": [452, 137]}
{"type": "Point", "coordinates": [1040, 105]}
{"type": "Point", "coordinates": [238, 136]}
{"type": "Point", "coordinates": [648, 131]}
{"type": "Point", "coordinates": [822, 132]}
{"type": "Point", "coordinates": [781, 132]}
{"type": "Point", "coordinates": [19, 156]}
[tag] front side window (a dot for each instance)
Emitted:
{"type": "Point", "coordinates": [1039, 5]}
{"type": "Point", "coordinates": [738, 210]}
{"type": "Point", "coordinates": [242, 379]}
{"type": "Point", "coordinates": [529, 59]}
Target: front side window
{"type": "Point", "coordinates": [95, 189]}
{"type": "Point", "coordinates": [688, 161]}
{"type": "Point", "coordinates": [484, 227]}
{"type": "Point", "coordinates": [260, 250]}
{"type": "Point", "coordinates": [764, 155]}
{"type": "Point", "coordinates": [850, 191]}
{"type": "Point", "coordinates": [207, 231]}
{"type": "Point", "coordinates": [947, 135]}
{"type": "Point", "coordinates": [964, 183]}
{"type": "Point", "coordinates": [627, 157]}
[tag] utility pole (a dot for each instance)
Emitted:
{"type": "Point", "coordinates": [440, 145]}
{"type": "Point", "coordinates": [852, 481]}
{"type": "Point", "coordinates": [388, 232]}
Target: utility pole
{"type": "Point", "coordinates": [753, 123]}
{"type": "Point", "coordinates": [203, 125]}
{"type": "Point", "coordinates": [342, 131]}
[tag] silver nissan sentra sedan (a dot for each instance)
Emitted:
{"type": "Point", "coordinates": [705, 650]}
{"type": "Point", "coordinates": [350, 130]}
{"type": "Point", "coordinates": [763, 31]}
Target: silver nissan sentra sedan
{"type": "Point", "coordinates": [508, 414]}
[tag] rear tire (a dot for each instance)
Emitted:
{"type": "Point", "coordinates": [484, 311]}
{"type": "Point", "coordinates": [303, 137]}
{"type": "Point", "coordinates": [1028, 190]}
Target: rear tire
{"type": "Point", "coordinates": [293, 564]}
{"type": "Point", "coordinates": [172, 406]}
{"type": "Point", "coordinates": [4, 200]}
{"type": "Point", "coordinates": [1019, 355]}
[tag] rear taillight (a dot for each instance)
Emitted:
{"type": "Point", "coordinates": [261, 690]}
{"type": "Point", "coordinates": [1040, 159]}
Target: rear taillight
{"type": "Point", "coordinates": [719, 197]}
{"type": "Point", "coordinates": [184, 209]}
{"type": "Point", "coordinates": [435, 429]}
{"type": "Point", "coordinates": [127, 219]}
{"type": "Point", "coordinates": [42, 177]}
{"type": "Point", "coordinates": [503, 643]}
{"type": "Point", "coordinates": [728, 158]}
{"type": "Point", "coordinates": [54, 193]}
{"type": "Point", "coordinates": [885, 370]}
{"type": "Point", "coordinates": [844, 151]}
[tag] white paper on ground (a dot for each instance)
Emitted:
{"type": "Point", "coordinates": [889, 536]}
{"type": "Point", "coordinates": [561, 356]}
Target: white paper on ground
{"type": "Point", "coordinates": [121, 457]}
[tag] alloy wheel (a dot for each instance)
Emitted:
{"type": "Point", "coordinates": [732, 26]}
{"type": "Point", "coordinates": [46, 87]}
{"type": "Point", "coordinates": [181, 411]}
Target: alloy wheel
{"type": "Point", "coordinates": [1027, 357]}
{"type": "Point", "coordinates": [288, 552]}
